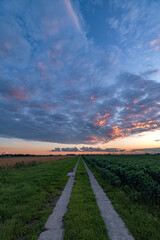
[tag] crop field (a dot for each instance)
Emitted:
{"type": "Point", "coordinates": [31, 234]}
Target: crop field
{"type": "Point", "coordinates": [138, 175]}
{"type": "Point", "coordinates": [10, 161]}
{"type": "Point", "coordinates": [132, 183]}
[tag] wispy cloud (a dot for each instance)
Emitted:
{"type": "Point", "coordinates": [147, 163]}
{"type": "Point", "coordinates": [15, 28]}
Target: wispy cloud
{"type": "Point", "coordinates": [153, 42]}
{"type": "Point", "coordinates": [147, 150]}
{"type": "Point", "coordinates": [72, 14]}
{"type": "Point", "coordinates": [151, 72]}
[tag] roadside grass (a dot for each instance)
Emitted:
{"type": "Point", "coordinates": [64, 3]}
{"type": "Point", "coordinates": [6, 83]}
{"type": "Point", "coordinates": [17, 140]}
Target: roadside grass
{"type": "Point", "coordinates": [83, 220]}
{"type": "Point", "coordinates": [28, 194]}
{"type": "Point", "coordinates": [141, 218]}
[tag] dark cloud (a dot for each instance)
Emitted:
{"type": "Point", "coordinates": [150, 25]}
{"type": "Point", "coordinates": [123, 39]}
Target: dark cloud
{"type": "Point", "coordinates": [157, 140]}
{"type": "Point", "coordinates": [87, 149]}
{"type": "Point", "coordinates": [147, 150]}
{"type": "Point", "coordinates": [92, 149]}
{"type": "Point", "coordinates": [56, 150]}
{"type": "Point", "coordinates": [75, 149]}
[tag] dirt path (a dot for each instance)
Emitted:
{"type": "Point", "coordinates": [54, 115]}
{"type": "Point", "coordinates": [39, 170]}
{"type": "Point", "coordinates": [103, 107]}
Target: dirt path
{"type": "Point", "coordinates": [114, 224]}
{"type": "Point", "coordinates": [54, 224]}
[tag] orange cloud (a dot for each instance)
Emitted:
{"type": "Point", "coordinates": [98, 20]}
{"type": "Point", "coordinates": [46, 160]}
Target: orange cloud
{"type": "Point", "coordinates": [101, 119]}
{"type": "Point", "coordinates": [92, 139]}
{"type": "Point", "coordinates": [144, 124]}
{"type": "Point", "coordinates": [135, 101]}
{"type": "Point", "coordinates": [117, 132]}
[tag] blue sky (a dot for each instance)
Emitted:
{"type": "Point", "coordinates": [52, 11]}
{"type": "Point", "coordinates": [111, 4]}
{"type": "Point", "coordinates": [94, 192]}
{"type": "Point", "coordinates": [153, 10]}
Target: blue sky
{"type": "Point", "coordinates": [82, 73]}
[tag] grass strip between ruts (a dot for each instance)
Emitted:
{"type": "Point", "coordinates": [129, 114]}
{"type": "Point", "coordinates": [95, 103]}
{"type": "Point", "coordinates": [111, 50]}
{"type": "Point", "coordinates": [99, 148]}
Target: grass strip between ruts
{"type": "Point", "coordinates": [142, 219]}
{"type": "Point", "coordinates": [26, 197]}
{"type": "Point", "coordinates": [83, 220]}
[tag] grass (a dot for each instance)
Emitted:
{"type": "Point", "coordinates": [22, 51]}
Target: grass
{"type": "Point", "coordinates": [141, 218]}
{"type": "Point", "coordinates": [83, 220]}
{"type": "Point", "coordinates": [26, 195]}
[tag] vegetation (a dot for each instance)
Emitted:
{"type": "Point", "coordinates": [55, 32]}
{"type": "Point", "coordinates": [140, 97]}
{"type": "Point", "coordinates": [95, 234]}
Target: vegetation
{"type": "Point", "coordinates": [28, 193]}
{"type": "Point", "coordinates": [124, 179]}
{"type": "Point", "coordinates": [139, 176]}
{"type": "Point", "coordinates": [83, 219]}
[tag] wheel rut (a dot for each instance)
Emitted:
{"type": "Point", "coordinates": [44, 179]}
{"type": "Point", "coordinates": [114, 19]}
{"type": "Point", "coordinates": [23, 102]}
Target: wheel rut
{"type": "Point", "coordinates": [54, 224]}
{"type": "Point", "coordinates": [115, 225]}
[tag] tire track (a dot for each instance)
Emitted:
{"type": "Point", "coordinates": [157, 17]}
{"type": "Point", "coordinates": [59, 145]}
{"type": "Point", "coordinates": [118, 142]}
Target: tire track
{"type": "Point", "coordinates": [115, 225]}
{"type": "Point", "coordinates": [54, 224]}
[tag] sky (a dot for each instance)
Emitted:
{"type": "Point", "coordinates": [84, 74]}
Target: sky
{"type": "Point", "coordinates": [79, 76]}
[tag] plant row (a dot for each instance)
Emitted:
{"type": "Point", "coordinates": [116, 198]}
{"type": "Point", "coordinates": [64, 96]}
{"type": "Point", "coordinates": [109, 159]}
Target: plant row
{"type": "Point", "coordinates": [139, 177]}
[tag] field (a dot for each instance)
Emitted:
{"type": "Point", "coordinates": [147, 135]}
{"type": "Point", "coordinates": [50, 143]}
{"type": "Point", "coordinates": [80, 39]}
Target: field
{"type": "Point", "coordinates": [28, 193]}
{"type": "Point", "coordinates": [138, 175]}
{"type": "Point", "coordinates": [10, 161]}
{"type": "Point", "coordinates": [132, 184]}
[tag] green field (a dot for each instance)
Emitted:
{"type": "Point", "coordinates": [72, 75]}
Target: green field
{"type": "Point", "coordinates": [132, 185]}
{"type": "Point", "coordinates": [28, 194]}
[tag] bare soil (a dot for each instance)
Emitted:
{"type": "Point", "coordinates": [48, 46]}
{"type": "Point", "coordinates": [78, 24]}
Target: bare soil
{"type": "Point", "coordinates": [10, 161]}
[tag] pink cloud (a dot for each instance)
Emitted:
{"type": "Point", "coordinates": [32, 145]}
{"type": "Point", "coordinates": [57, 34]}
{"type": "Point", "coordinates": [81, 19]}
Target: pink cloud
{"type": "Point", "coordinates": [18, 94]}
{"type": "Point", "coordinates": [157, 48]}
{"type": "Point", "coordinates": [153, 42]}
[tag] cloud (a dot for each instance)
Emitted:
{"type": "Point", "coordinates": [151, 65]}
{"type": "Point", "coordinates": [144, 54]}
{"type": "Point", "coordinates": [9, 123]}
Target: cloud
{"type": "Point", "coordinates": [153, 42]}
{"type": "Point", "coordinates": [135, 109]}
{"type": "Point", "coordinates": [72, 14]}
{"type": "Point", "coordinates": [91, 149]}
{"type": "Point", "coordinates": [75, 149]}
{"type": "Point", "coordinates": [147, 150]}
{"type": "Point", "coordinates": [56, 150]}
{"type": "Point", "coordinates": [49, 72]}
{"type": "Point", "coordinates": [151, 72]}
{"type": "Point", "coordinates": [87, 149]}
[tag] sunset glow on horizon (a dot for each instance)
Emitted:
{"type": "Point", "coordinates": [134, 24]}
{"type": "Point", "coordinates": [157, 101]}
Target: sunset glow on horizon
{"type": "Point", "coordinates": [79, 77]}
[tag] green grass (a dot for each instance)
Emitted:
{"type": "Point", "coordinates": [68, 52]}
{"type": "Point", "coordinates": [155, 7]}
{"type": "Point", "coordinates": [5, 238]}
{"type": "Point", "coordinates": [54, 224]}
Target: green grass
{"type": "Point", "coordinates": [83, 220]}
{"type": "Point", "coordinates": [25, 191]}
{"type": "Point", "coordinates": [141, 218]}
